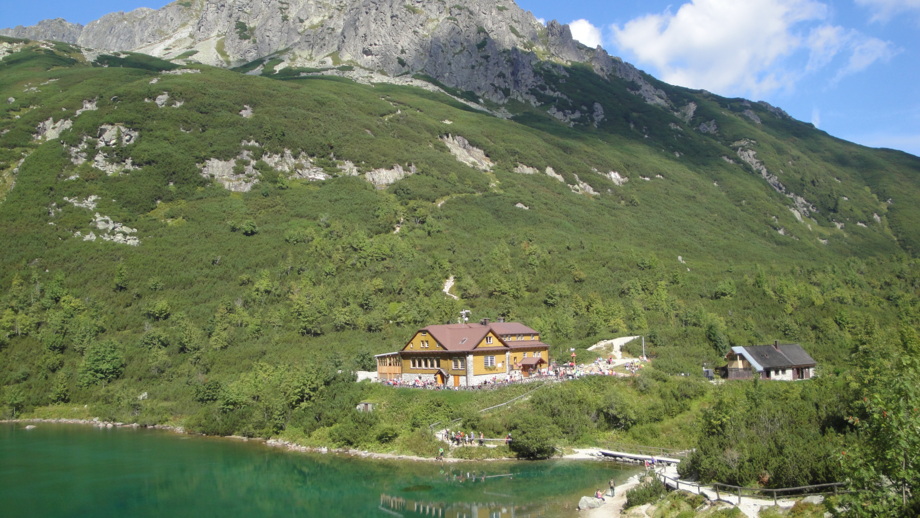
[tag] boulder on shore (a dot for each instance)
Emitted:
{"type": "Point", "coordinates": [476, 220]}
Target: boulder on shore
{"type": "Point", "coordinates": [589, 502]}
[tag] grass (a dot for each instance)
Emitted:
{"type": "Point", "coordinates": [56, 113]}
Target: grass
{"type": "Point", "coordinates": [325, 282]}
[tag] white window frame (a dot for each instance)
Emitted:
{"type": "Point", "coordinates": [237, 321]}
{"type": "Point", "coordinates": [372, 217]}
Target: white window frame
{"type": "Point", "coordinates": [489, 340]}
{"type": "Point", "coordinates": [489, 361]}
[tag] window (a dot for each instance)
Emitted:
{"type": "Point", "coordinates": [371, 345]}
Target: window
{"type": "Point", "coordinates": [424, 344]}
{"type": "Point", "coordinates": [489, 361]}
{"type": "Point", "coordinates": [424, 363]}
{"type": "Point", "coordinates": [525, 354]}
{"type": "Point", "coordinates": [537, 354]}
{"type": "Point", "coordinates": [459, 364]}
{"type": "Point", "coordinates": [489, 339]}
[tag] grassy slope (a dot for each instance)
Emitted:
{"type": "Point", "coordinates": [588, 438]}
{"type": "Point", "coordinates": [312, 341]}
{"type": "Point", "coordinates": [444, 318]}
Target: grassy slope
{"type": "Point", "coordinates": [579, 268]}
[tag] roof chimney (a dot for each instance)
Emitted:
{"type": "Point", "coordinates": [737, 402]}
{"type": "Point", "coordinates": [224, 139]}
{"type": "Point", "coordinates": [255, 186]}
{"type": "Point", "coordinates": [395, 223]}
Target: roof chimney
{"type": "Point", "coordinates": [776, 344]}
{"type": "Point", "coordinates": [484, 321]}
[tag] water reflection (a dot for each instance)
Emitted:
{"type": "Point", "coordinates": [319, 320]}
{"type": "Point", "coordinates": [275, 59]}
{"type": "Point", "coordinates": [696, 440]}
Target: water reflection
{"type": "Point", "coordinates": [400, 506]}
{"type": "Point", "coordinates": [80, 471]}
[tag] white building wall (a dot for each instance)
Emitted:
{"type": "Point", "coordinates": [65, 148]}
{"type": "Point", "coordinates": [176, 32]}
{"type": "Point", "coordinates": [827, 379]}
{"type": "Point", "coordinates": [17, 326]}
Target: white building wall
{"type": "Point", "coordinates": [780, 375]}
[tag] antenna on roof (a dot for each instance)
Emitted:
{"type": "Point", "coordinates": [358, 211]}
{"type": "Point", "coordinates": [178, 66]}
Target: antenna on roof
{"type": "Point", "coordinates": [465, 315]}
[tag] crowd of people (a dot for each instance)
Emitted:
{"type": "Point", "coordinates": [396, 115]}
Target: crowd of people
{"type": "Point", "coordinates": [564, 371]}
{"type": "Point", "coordinates": [462, 438]}
{"type": "Point", "coordinates": [493, 382]}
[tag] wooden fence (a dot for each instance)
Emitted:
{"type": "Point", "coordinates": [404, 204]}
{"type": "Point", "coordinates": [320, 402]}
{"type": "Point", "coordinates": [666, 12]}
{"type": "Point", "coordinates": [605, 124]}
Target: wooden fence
{"type": "Point", "coordinates": [752, 492]}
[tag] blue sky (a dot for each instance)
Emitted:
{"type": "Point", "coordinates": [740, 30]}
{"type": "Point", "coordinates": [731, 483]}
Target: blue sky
{"type": "Point", "coordinates": [850, 67]}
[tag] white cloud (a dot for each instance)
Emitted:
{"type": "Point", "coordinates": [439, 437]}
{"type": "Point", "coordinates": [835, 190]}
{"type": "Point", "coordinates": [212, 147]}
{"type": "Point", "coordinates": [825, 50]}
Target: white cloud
{"type": "Point", "coordinates": [721, 45]}
{"type": "Point", "coordinates": [824, 43]}
{"type": "Point", "coordinates": [865, 51]}
{"type": "Point", "coordinates": [827, 42]}
{"type": "Point", "coordinates": [884, 10]}
{"type": "Point", "coordinates": [586, 33]}
{"type": "Point", "coordinates": [747, 48]}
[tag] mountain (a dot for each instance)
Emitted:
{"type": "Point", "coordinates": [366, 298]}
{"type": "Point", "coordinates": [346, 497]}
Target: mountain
{"type": "Point", "coordinates": [208, 235]}
{"type": "Point", "coordinates": [483, 47]}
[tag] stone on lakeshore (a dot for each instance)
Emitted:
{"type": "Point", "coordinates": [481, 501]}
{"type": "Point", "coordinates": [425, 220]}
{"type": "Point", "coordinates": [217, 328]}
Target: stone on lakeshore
{"type": "Point", "coordinates": [589, 502]}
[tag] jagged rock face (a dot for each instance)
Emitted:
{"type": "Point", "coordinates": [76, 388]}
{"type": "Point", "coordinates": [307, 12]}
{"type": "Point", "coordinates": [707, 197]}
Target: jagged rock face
{"type": "Point", "coordinates": [486, 47]}
{"type": "Point", "coordinates": [57, 29]}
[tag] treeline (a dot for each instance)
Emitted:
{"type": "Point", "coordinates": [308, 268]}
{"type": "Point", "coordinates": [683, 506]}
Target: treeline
{"type": "Point", "coordinates": [238, 311]}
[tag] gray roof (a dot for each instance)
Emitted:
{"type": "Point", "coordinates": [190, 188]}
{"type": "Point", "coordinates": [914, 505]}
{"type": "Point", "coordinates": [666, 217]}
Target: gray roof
{"type": "Point", "coordinates": [777, 356]}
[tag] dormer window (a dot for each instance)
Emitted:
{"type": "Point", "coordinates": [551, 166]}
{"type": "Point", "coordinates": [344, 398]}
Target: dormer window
{"type": "Point", "coordinates": [489, 339]}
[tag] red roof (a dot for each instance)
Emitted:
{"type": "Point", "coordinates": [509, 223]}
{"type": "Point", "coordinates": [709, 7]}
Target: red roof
{"type": "Point", "coordinates": [532, 361]}
{"type": "Point", "coordinates": [511, 328]}
{"type": "Point", "coordinates": [457, 337]}
{"type": "Point", "coordinates": [465, 337]}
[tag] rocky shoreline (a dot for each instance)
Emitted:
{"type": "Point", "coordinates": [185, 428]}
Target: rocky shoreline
{"type": "Point", "coordinates": [277, 443]}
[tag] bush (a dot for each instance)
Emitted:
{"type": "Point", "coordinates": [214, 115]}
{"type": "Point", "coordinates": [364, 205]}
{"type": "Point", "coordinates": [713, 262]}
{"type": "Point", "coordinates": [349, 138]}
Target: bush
{"type": "Point", "coordinates": [354, 429]}
{"type": "Point", "coordinates": [154, 339]}
{"type": "Point", "coordinates": [103, 362]}
{"type": "Point", "coordinates": [421, 442]}
{"type": "Point", "coordinates": [534, 437]}
{"type": "Point", "coordinates": [159, 310]}
{"type": "Point", "coordinates": [648, 492]}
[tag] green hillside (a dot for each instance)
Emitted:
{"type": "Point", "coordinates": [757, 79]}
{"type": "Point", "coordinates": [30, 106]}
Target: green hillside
{"type": "Point", "coordinates": [236, 309]}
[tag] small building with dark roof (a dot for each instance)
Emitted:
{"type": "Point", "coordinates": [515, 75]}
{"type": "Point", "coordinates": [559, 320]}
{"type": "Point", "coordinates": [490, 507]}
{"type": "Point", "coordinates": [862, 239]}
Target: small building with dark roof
{"type": "Point", "coordinates": [466, 354]}
{"type": "Point", "coordinates": [787, 362]}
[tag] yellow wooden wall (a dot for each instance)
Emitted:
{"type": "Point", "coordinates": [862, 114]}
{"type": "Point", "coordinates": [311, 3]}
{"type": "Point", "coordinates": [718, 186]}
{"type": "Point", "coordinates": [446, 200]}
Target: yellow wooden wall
{"type": "Point", "coordinates": [518, 354]}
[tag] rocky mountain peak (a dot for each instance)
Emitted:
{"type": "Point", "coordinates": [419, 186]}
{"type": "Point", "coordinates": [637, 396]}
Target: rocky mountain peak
{"type": "Point", "coordinates": [490, 48]}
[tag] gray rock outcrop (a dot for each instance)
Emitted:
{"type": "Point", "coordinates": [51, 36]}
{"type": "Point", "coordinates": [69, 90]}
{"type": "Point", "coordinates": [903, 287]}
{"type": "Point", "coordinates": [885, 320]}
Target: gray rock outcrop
{"type": "Point", "coordinates": [745, 151]}
{"type": "Point", "coordinates": [466, 153]}
{"type": "Point", "coordinates": [492, 49]}
{"type": "Point", "coordinates": [56, 29]}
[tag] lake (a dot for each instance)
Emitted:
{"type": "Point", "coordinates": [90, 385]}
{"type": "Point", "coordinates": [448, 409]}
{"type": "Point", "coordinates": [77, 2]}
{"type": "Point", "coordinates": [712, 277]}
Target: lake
{"type": "Point", "coordinates": [73, 470]}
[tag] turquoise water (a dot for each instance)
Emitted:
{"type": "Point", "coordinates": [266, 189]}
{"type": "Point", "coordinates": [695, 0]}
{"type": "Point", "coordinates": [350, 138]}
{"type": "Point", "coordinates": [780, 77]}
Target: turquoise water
{"type": "Point", "coordinates": [72, 470]}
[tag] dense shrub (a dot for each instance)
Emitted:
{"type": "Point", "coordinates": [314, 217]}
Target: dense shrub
{"type": "Point", "coordinates": [534, 436]}
{"type": "Point", "coordinates": [648, 492]}
{"type": "Point", "coordinates": [102, 363]}
{"type": "Point", "coordinates": [765, 434]}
